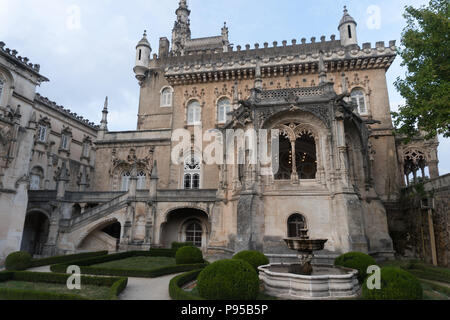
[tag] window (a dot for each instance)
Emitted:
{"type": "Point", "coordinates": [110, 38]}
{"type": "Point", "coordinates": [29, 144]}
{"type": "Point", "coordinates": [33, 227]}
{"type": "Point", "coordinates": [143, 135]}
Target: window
{"type": "Point", "coordinates": [36, 176]}
{"type": "Point", "coordinates": [296, 224]}
{"type": "Point", "coordinates": [223, 108]}
{"type": "Point", "coordinates": [358, 98]}
{"type": "Point", "coordinates": [1, 89]}
{"type": "Point", "coordinates": [42, 133]}
{"type": "Point", "coordinates": [194, 233]}
{"type": "Point", "coordinates": [192, 171]}
{"type": "Point", "coordinates": [125, 181]}
{"type": "Point", "coordinates": [166, 97]}
{"type": "Point", "coordinates": [86, 149]}
{"type": "Point", "coordinates": [64, 142]}
{"type": "Point", "coordinates": [194, 113]}
{"type": "Point", "coordinates": [142, 181]}
{"type": "Point", "coordinates": [349, 32]}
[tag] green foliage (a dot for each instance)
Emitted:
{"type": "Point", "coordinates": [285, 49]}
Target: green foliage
{"type": "Point", "coordinates": [175, 287]}
{"type": "Point", "coordinates": [189, 255]}
{"type": "Point", "coordinates": [426, 88]}
{"type": "Point", "coordinates": [229, 280]}
{"type": "Point", "coordinates": [117, 285]}
{"type": "Point", "coordinates": [87, 267]}
{"type": "Point", "coordinates": [66, 259]}
{"type": "Point", "coordinates": [18, 261]}
{"type": "Point", "coordinates": [178, 245]}
{"type": "Point", "coordinates": [356, 260]}
{"type": "Point", "coordinates": [396, 284]}
{"type": "Point", "coordinates": [255, 258]}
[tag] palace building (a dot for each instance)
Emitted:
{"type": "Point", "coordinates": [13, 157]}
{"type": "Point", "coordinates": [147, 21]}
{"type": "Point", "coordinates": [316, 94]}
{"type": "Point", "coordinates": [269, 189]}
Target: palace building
{"type": "Point", "coordinates": [71, 186]}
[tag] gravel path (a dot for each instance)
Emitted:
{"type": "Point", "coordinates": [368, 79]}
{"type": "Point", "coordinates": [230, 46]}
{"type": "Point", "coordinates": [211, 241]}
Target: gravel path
{"type": "Point", "coordinates": [138, 288]}
{"type": "Point", "coordinates": [147, 289]}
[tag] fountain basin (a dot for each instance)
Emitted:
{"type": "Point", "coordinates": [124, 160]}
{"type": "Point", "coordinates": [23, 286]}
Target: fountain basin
{"type": "Point", "coordinates": [305, 245]}
{"type": "Point", "coordinates": [326, 282]}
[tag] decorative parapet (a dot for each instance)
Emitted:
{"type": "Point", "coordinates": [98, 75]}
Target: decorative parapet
{"type": "Point", "coordinates": [23, 61]}
{"type": "Point", "coordinates": [276, 61]}
{"type": "Point", "coordinates": [66, 112]}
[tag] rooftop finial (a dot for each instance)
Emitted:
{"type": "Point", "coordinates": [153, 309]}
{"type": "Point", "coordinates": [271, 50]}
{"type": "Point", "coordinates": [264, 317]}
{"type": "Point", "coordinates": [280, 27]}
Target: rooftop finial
{"type": "Point", "coordinates": [104, 122]}
{"type": "Point", "coordinates": [106, 103]}
{"type": "Point", "coordinates": [145, 33]}
{"type": "Point", "coordinates": [345, 10]}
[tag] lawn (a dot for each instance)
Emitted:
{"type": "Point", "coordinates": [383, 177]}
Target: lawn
{"type": "Point", "coordinates": [138, 263]}
{"type": "Point", "coordinates": [87, 291]}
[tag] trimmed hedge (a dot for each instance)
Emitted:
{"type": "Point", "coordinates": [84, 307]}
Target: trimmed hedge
{"type": "Point", "coordinates": [356, 260]}
{"type": "Point", "coordinates": [229, 280]}
{"type": "Point", "coordinates": [117, 285]}
{"type": "Point", "coordinates": [86, 265]}
{"type": "Point", "coordinates": [189, 255]}
{"type": "Point", "coordinates": [18, 261]}
{"type": "Point", "coordinates": [396, 284]}
{"type": "Point", "coordinates": [65, 259]}
{"type": "Point", "coordinates": [178, 245]}
{"type": "Point", "coordinates": [255, 258]}
{"type": "Point", "coordinates": [175, 287]}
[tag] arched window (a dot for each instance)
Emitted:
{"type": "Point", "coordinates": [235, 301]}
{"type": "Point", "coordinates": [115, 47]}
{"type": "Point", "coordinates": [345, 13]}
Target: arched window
{"type": "Point", "coordinates": [194, 113]}
{"type": "Point", "coordinates": [36, 177]}
{"type": "Point", "coordinates": [166, 97]}
{"type": "Point", "coordinates": [223, 108]}
{"type": "Point", "coordinates": [359, 98]}
{"type": "Point", "coordinates": [125, 181]}
{"type": "Point", "coordinates": [142, 181]}
{"type": "Point", "coordinates": [194, 233]}
{"type": "Point", "coordinates": [296, 224]}
{"type": "Point", "coordinates": [192, 172]}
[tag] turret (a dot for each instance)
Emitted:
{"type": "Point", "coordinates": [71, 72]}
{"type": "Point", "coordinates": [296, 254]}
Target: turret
{"type": "Point", "coordinates": [181, 31]}
{"type": "Point", "coordinates": [143, 52]}
{"type": "Point", "coordinates": [347, 28]}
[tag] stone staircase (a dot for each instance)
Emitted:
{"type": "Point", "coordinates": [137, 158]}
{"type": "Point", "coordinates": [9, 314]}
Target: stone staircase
{"type": "Point", "coordinates": [94, 214]}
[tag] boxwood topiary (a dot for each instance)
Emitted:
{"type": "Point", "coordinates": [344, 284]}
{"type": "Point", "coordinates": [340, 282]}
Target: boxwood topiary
{"type": "Point", "coordinates": [396, 284]}
{"type": "Point", "coordinates": [18, 261]}
{"type": "Point", "coordinates": [356, 260]}
{"type": "Point", "coordinates": [254, 258]}
{"type": "Point", "coordinates": [228, 280]}
{"type": "Point", "coordinates": [189, 255]}
{"type": "Point", "coordinates": [178, 245]}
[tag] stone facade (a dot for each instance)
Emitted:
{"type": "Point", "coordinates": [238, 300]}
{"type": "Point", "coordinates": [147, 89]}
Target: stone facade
{"type": "Point", "coordinates": [340, 164]}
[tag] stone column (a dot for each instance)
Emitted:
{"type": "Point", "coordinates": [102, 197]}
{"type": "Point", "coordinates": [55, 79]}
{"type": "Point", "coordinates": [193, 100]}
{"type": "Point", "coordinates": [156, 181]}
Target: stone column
{"type": "Point", "coordinates": [294, 175]}
{"type": "Point", "coordinates": [434, 169]}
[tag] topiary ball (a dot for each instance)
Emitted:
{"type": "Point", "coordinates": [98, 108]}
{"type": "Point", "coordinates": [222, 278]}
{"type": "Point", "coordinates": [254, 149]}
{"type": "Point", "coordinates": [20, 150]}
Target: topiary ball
{"type": "Point", "coordinates": [228, 280]}
{"type": "Point", "coordinates": [189, 255]}
{"type": "Point", "coordinates": [18, 261]}
{"type": "Point", "coordinates": [356, 260]}
{"type": "Point", "coordinates": [254, 258]}
{"type": "Point", "coordinates": [178, 245]}
{"type": "Point", "coordinates": [396, 284]}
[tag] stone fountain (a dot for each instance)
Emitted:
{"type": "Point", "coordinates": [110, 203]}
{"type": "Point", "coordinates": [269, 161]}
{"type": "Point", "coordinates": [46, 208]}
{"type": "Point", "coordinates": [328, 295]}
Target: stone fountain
{"type": "Point", "coordinates": [306, 248]}
{"type": "Point", "coordinates": [304, 280]}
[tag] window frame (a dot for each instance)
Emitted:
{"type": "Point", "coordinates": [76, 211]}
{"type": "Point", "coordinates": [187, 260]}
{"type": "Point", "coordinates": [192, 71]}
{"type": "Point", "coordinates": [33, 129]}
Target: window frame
{"type": "Point", "coordinates": [192, 177]}
{"type": "Point", "coordinates": [223, 110]}
{"type": "Point", "coordinates": [358, 94]}
{"type": "Point", "coordinates": [196, 118]}
{"type": "Point", "coordinates": [2, 86]}
{"type": "Point", "coordinates": [127, 175]}
{"type": "Point", "coordinates": [166, 92]}
{"type": "Point", "coordinates": [42, 133]}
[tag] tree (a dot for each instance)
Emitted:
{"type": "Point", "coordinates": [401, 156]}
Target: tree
{"type": "Point", "coordinates": [426, 88]}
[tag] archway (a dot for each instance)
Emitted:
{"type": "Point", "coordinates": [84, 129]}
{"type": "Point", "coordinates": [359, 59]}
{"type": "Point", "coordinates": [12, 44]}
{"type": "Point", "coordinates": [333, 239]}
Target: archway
{"type": "Point", "coordinates": [35, 233]}
{"type": "Point", "coordinates": [105, 236]}
{"type": "Point", "coordinates": [185, 225]}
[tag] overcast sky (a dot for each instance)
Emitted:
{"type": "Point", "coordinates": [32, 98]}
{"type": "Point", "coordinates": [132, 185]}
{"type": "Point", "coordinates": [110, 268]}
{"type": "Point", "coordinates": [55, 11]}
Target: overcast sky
{"type": "Point", "coordinates": [87, 48]}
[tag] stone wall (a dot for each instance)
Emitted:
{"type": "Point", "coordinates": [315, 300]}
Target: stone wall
{"type": "Point", "coordinates": [409, 221]}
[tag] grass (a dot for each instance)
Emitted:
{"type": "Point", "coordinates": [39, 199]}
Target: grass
{"type": "Point", "coordinates": [87, 291]}
{"type": "Point", "coordinates": [421, 270]}
{"type": "Point", "coordinates": [138, 263]}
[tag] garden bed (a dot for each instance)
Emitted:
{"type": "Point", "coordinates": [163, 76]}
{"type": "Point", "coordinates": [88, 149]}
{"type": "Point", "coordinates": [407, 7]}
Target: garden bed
{"type": "Point", "coordinates": [49, 286]}
{"type": "Point", "coordinates": [131, 264]}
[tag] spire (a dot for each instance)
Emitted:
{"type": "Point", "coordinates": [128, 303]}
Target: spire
{"type": "Point", "coordinates": [347, 18]}
{"type": "Point", "coordinates": [104, 123]}
{"type": "Point", "coordinates": [258, 79]}
{"type": "Point", "coordinates": [144, 41]}
{"type": "Point", "coordinates": [322, 70]}
{"type": "Point", "coordinates": [181, 32]}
